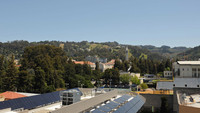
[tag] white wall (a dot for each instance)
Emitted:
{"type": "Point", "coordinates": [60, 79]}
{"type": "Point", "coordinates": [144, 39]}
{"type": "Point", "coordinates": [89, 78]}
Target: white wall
{"type": "Point", "coordinates": [186, 70]}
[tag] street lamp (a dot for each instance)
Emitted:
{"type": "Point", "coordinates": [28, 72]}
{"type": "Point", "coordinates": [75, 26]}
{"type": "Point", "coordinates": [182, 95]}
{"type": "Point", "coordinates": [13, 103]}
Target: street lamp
{"type": "Point", "coordinates": [110, 83]}
{"type": "Point", "coordinates": [67, 84]}
{"type": "Point", "coordinates": [78, 83]}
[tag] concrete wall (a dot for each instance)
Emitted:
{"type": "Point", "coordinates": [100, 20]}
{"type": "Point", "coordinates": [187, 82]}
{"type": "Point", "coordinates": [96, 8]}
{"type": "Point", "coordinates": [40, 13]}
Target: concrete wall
{"type": "Point", "coordinates": [5, 110]}
{"type": "Point", "coordinates": [155, 100]}
{"type": "Point", "coordinates": [187, 109]}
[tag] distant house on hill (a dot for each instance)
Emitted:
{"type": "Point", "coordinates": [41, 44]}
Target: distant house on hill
{"type": "Point", "coordinates": [108, 65]}
{"type": "Point", "coordinates": [92, 65]}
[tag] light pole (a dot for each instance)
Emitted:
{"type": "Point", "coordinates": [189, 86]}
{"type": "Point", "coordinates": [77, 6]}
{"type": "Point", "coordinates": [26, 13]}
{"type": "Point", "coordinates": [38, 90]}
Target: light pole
{"type": "Point", "coordinates": [82, 85]}
{"type": "Point", "coordinates": [110, 84]}
{"type": "Point", "coordinates": [78, 83]}
{"type": "Point", "coordinates": [67, 84]}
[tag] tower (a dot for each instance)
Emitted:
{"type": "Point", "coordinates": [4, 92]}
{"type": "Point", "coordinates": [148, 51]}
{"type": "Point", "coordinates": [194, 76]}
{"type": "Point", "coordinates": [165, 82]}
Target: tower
{"type": "Point", "coordinates": [62, 46]}
{"type": "Point", "coordinates": [126, 54]}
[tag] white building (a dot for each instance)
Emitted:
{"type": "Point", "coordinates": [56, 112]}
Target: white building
{"type": "Point", "coordinates": [108, 65]}
{"type": "Point", "coordinates": [179, 82]}
{"type": "Point", "coordinates": [188, 69]}
{"type": "Point", "coordinates": [168, 74]}
{"type": "Point", "coordinates": [186, 73]}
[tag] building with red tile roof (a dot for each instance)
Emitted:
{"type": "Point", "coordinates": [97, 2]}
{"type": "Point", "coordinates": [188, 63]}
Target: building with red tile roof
{"type": "Point", "coordinates": [8, 95]}
{"type": "Point", "coordinates": [92, 65]}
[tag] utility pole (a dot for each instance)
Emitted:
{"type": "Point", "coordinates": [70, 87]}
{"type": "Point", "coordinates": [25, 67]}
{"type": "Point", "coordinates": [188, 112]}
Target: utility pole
{"type": "Point", "coordinates": [110, 84]}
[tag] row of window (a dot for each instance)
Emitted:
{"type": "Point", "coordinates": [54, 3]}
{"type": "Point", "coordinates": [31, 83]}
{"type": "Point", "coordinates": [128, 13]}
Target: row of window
{"type": "Point", "coordinates": [168, 73]}
{"type": "Point", "coordinates": [193, 69]}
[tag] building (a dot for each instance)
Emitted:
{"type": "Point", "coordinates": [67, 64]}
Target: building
{"type": "Point", "coordinates": [8, 95]}
{"type": "Point", "coordinates": [126, 58]}
{"type": "Point", "coordinates": [108, 65]}
{"type": "Point", "coordinates": [178, 82]}
{"type": "Point", "coordinates": [131, 74]}
{"type": "Point", "coordinates": [109, 102]}
{"type": "Point", "coordinates": [92, 65]}
{"type": "Point", "coordinates": [62, 46]}
{"type": "Point", "coordinates": [186, 74]}
{"type": "Point", "coordinates": [186, 69]}
{"type": "Point", "coordinates": [168, 74]}
{"type": "Point", "coordinates": [150, 76]}
{"type": "Point", "coordinates": [186, 100]}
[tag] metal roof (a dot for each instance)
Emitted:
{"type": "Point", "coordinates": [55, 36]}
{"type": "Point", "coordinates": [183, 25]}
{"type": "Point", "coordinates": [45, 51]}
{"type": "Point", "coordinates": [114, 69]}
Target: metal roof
{"type": "Point", "coordinates": [188, 62]}
{"type": "Point", "coordinates": [130, 105]}
{"type": "Point", "coordinates": [179, 82]}
{"type": "Point", "coordinates": [32, 101]}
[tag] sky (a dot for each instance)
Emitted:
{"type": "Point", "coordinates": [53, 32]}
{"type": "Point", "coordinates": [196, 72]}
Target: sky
{"type": "Point", "coordinates": [134, 22]}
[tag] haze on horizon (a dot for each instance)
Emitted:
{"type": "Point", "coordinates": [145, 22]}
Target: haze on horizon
{"type": "Point", "coordinates": [142, 22]}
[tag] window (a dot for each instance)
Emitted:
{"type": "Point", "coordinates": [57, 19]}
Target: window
{"type": "Point", "coordinates": [194, 72]}
{"type": "Point", "coordinates": [199, 72]}
{"type": "Point", "coordinates": [183, 69]}
{"type": "Point", "coordinates": [197, 85]}
{"type": "Point", "coordinates": [185, 85]}
{"type": "Point", "coordinates": [178, 72]}
{"type": "Point", "coordinates": [174, 85]}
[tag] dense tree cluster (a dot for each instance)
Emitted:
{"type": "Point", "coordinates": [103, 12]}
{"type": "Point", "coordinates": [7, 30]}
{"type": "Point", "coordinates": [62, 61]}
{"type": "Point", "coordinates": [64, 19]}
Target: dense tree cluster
{"type": "Point", "coordinates": [8, 74]}
{"type": "Point", "coordinates": [44, 68]}
{"type": "Point", "coordinates": [144, 66]}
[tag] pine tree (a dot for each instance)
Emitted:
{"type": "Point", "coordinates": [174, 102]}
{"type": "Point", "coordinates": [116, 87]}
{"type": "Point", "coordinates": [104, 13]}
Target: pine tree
{"type": "Point", "coordinates": [11, 78]}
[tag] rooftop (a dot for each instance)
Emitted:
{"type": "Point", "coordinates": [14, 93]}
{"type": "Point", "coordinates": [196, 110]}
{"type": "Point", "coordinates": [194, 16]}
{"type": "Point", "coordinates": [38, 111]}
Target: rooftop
{"type": "Point", "coordinates": [84, 62]}
{"type": "Point", "coordinates": [188, 62]}
{"type": "Point", "coordinates": [179, 82]}
{"type": "Point", "coordinates": [8, 95]}
{"type": "Point", "coordinates": [192, 100]}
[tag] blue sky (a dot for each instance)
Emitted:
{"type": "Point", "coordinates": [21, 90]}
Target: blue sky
{"type": "Point", "coordinates": [135, 22]}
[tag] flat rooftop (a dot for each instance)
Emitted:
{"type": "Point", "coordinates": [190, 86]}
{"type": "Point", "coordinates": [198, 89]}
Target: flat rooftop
{"type": "Point", "coordinates": [190, 100]}
{"type": "Point", "coordinates": [188, 62]}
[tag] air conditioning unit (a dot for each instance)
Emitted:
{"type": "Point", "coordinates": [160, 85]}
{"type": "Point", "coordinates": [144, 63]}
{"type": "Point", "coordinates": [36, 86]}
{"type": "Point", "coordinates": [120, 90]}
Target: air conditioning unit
{"type": "Point", "coordinates": [70, 97]}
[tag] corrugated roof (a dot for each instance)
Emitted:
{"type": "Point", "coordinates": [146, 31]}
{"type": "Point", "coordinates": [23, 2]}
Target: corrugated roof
{"type": "Point", "coordinates": [32, 101]}
{"type": "Point", "coordinates": [11, 95]}
{"type": "Point", "coordinates": [188, 62]}
{"type": "Point", "coordinates": [179, 82]}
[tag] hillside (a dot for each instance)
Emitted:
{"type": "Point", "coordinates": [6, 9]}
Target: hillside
{"type": "Point", "coordinates": [166, 51]}
{"type": "Point", "coordinates": [79, 50]}
{"type": "Point", "coordinates": [192, 54]}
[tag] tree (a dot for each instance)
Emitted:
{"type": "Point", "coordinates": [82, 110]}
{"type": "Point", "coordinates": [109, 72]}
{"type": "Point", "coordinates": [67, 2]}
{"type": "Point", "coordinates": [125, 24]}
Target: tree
{"type": "Point", "coordinates": [40, 83]}
{"type": "Point", "coordinates": [135, 80]}
{"type": "Point", "coordinates": [144, 86]}
{"type": "Point", "coordinates": [164, 105]}
{"type": "Point", "coordinates": [125, 78]}
{"type": "Point", "coordinates": [112, 74]}
{"type": "Point", "coordinates": [11, 77]}
{"type": "Point", "coordinates": [97, 66]}
{"type": "Point", "coordinates": [117, 64]}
